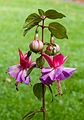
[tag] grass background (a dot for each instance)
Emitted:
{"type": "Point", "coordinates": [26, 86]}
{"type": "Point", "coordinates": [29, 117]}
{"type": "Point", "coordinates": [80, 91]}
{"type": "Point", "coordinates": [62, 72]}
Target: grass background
{"type": "Point", "coordinates": [13, 104]}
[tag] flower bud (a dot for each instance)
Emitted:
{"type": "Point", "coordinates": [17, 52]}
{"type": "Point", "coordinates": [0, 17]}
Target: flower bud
{"type": "Point", "coordinates": [36, 45]}
{"type": "Point", "coordinates": [52, 50]}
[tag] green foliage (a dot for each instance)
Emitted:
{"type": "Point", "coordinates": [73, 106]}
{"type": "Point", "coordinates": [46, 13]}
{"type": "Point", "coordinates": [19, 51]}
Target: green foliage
{"type": "Point", "coordinates": [41, 12]}
{"type": "Point", "coordinates": [57, 30]}
{"type": "Point", "coordinates": [53, 14]}
{"type": "Point", "coordinates": [32, 20]}
{"type": "Point", "coordinates": [37, 90]}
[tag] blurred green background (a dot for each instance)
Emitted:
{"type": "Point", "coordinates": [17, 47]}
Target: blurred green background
{"type": "Point", "coordinates": [13, 104]}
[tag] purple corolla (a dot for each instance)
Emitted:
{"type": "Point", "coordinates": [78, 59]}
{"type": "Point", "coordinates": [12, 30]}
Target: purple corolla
{"type": "Point", "coordinates": [56, 71]}
{"type": "Point", "coordinates": [19, 71]}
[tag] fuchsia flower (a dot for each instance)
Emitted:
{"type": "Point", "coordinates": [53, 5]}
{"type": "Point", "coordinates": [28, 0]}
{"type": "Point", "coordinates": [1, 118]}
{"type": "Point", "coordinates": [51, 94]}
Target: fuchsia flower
{"type": "Point", "coordinates": [56, 71]}
{"type": "Point", "coordinates": [19, 71]}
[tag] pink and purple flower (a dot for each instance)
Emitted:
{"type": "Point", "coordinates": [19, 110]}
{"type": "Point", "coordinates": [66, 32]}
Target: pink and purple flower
{"type": "Point", "coordinates": [56, 71]}
{"type": "Point", "coordinates": [19, 71]}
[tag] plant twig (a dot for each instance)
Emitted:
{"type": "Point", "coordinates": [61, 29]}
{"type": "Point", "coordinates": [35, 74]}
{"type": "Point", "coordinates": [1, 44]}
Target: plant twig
{"type": "Point", "coordinates": [43, 86]}
{"type": "Point", "coordinates": [43, 26]}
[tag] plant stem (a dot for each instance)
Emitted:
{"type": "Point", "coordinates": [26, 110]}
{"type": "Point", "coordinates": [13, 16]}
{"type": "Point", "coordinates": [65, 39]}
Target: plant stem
{"type": "Point", "coordinates": [43, 103]}
{"type": "Point", "coordinates": [43, 86]}
{"type": "Point", "coordinates": [44, 26]}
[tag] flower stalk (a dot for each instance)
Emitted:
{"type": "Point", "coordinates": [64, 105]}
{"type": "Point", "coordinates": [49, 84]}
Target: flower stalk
{"type": "Point", "coordinates": [43, 86]}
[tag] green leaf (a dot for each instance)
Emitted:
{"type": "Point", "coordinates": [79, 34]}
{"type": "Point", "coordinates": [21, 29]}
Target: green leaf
{"type": "Point", "coordinates": [28, 27]}
{"type": "Point", "coordinates": [40, 62]}
{"type": "Point", "coordinates": [25, 32]}
{"type": "Point", "coordinates": [58, 30]}
{"type": "Point", "coordinates": [29, 115]}
{"type": "Point", "coordinates": [53, 14]}
{"type": "Point", "coordinates": [33, 17]}
{"type": "Point", "coordinates": [37, 90]}
{"type": "Point", "coordinates": [31, 21]}
{"type": "Point", "coordinates": [41, 12]}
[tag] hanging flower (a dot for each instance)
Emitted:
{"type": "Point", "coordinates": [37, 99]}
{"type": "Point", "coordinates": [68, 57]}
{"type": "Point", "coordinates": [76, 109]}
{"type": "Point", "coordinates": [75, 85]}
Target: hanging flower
{"type": "Point", "coordinates": [19, 71]}
{"type": "Point", "coordinates": [56, 71]}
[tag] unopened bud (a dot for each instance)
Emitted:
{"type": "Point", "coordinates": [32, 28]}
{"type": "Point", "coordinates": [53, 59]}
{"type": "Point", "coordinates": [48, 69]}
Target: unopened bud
{"type": "Point", "coordinates": [49, 50]}
{"type": "Point", "coordinates": [36, 45]}
{"type": "Point", "coordinates": [52, 50]}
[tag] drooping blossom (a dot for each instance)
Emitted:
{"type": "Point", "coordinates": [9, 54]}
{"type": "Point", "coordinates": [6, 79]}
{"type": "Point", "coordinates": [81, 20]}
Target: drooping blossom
{"type": "Point", "coordinates": [19, 71]}
{"type": "Point", "coordinates": [56, 71]}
